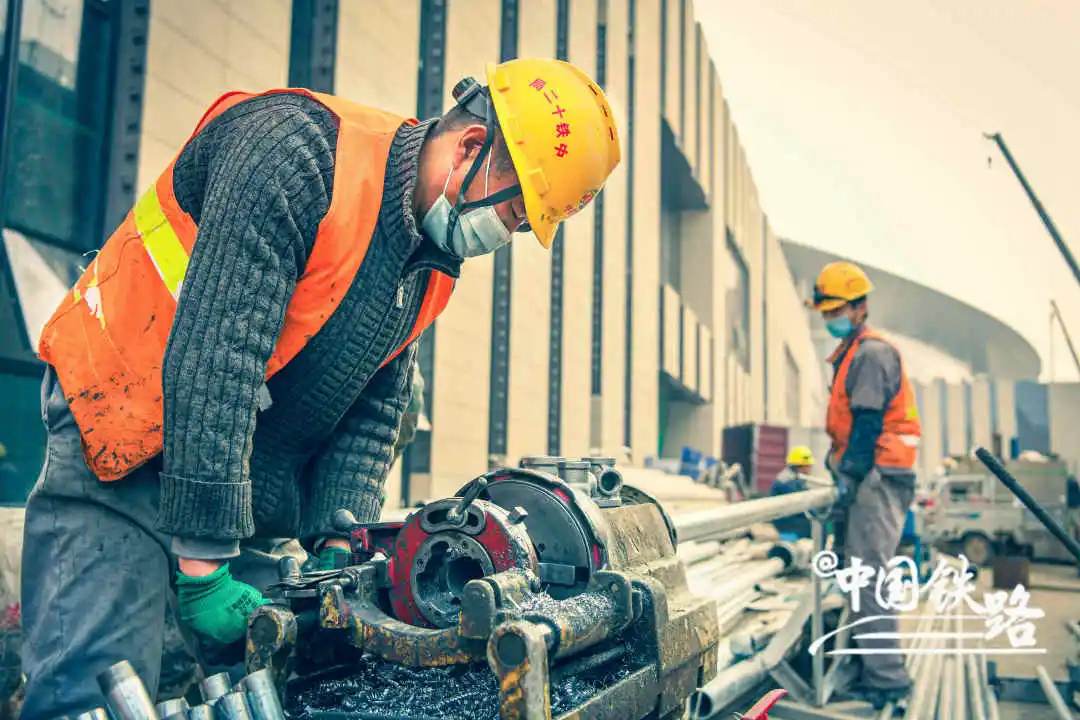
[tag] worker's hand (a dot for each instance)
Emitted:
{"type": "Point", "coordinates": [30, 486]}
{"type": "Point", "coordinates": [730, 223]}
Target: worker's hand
{"type": "Point", "coordinates": [846, 488]}
{"type": "Point", "coordinates": [215, 605]}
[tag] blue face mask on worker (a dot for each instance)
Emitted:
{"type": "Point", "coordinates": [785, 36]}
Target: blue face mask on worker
{"type": "Point", "coordinates": [468, 229]}
{"type": "Point", "coordinates": [839, 327]}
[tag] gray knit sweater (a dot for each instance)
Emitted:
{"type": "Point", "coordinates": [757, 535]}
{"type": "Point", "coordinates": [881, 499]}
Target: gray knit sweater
{"type": "Point", "coordinates": [258, 180]}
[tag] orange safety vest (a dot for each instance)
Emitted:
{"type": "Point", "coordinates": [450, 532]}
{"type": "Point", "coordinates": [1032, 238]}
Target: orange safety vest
{"type": "Point", "coordinates": [107, 338]}
{"type": "Point", "coordinates": [896, 447]}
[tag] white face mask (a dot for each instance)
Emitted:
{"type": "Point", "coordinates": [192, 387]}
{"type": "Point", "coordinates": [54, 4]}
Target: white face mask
{"type": "Point", "coordinates": [477, 231]}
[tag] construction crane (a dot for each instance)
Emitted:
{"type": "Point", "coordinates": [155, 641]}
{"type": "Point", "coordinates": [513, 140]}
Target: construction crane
{"type": "Point", "coordinates": [1043, 215]}
{"type": "Point", "coordinates": [1055, 314]}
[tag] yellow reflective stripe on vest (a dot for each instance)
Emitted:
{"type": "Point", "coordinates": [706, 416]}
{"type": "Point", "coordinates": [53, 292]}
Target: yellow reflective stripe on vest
{"type": "Point", "coordinates": [161, 242]}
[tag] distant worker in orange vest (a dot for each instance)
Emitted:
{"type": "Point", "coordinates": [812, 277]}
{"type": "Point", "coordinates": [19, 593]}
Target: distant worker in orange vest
{"type": "Point", "coordinates": [236, 360]}
{"type": "Point", "coordinates": [873, 422]}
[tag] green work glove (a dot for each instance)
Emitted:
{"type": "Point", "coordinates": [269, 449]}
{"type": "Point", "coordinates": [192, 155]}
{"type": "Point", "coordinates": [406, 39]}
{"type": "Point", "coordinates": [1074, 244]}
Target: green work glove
{"type": "Point", "coordinates": [215, 605]}
{"type": "Point", "coordinates": [333, 558]}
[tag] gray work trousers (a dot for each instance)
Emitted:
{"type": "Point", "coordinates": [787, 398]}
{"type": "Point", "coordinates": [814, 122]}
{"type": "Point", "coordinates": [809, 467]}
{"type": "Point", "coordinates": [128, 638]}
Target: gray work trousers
{"type": "Point", "coordinates": [97, 574]}
{"type": "Point", "coordinates": [875, 520]}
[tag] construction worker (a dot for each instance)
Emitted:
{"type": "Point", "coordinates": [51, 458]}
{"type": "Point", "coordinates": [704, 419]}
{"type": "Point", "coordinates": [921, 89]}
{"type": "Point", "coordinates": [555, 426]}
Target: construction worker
{"type": "Point", "coordinates": [874, 426]}
{"type": "Point", "coordinates": [235, 361]}
{"type": "Point", "coordinates": [800, 463]}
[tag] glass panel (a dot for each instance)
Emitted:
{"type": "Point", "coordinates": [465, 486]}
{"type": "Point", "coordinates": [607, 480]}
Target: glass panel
{"type": "Point", "coordinates": [43, 274]}
{"type": "Point", "coordinates": [58, 123]}
{"type": "Point", "coordinates": [737, 301]}
{"type": "Point", "coordinates": [22, 436]}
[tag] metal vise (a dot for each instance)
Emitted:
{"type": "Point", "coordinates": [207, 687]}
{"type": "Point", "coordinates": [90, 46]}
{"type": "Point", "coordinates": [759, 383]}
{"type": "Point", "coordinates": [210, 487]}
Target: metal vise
{"type": "Point", "coordinates": [544, 572]}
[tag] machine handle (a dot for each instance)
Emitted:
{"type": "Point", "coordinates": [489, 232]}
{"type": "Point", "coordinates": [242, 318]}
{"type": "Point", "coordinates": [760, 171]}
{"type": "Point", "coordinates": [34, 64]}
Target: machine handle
{"type": "Point", "coordinates": [456, 514]}
{"type": "Point", "coordinates": [760, 710]}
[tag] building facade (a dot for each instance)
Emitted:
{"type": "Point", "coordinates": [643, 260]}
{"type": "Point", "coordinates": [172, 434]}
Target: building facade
{"type": "Point", "coordinates": [665, 311]}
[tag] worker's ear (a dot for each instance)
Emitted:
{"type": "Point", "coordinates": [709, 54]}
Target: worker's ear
{"type": "Point", "coordinates": [469, 143]}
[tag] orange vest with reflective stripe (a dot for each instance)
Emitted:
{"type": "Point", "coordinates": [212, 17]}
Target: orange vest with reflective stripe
{"type": "Point", "coordinates": [107, 338]}
{"type": "Point", "coordinates": [899, 440]}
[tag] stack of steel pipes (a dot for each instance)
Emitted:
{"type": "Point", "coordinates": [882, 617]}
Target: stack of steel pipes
{"type": "Point", "coordinates": [723, 563]}
{"type": "Point", "coordinates": [948, 675]}
{"type": "Point", "coordinates": [253, 698]}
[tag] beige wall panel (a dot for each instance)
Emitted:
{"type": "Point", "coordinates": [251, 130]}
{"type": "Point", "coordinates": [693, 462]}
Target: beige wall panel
{"type": "Point", "coordinates": [154, 155]}
{"type": "Point", "coordinates": [689, 349]}
{"type": "Point", "coordinates": [705, 387]}
{"type": "Point", "coordinates": [688, 139]}
{"type": "Point", "coordinates": [645, 340]}
{"type": "Point", "coordinates": [703, 161]}
{"type": "Point", "coordinates": [463, 341]}
{"type": "Point", "coordinates": [754, 258]}
{"type": "Point", "coordinates": [378, 47]}
{"type": "Point", "coordinates": [392, 487]}
{"type": "Point", "coordinates": [672, 62]}
{"type": "Point", "coordinates": [530, 285]}
{"type": "Point", "coordinates": [614, 334]}
{"type": "Point", "coordinates": [197, 51]}
{"type": "Point", "coordinates": [718, 197]}
{"type": "Point", "coordinates": [577, 271]}
{"type": "Point", "coordinates": [982, 432]}
{"type": "Point", "coordinates": [728, 175]}
{"type": "Point", "coordinates": [257, 50]}
{"type": "Point", "coordinates": [1006, 414]}
{"type": "Point", "coordinates": [530, 328]}
{"type": "Point", "coordinates": [789, 328]}
{"type": "Point", "coordinates": [957, 418]}
{"type": "Point", "coordinates": [931, 453]}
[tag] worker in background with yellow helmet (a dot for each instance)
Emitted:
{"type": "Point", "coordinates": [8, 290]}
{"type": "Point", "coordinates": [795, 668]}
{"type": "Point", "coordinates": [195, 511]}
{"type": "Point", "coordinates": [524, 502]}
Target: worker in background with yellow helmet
{"type": "Point", "coordinates": [233, 365]}
{"type": "Point", "coordinates": [873, 423]}
{"type": "Point", "coordinates": [793, 478]}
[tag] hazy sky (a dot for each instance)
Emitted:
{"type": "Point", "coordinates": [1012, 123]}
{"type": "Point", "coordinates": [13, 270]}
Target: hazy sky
{"type": "Point", "coordinates": [863, 126]}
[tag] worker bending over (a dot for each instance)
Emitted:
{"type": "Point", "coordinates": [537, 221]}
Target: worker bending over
{"type": "Point", "coordinates": [793, 478]}
{"type": "Point", "coordinates": [236, 359]}
{"type": "Point", "coordinates": [873, 422]}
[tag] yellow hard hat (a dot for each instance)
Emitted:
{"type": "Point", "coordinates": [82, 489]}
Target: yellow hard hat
{"type": "Point", "coordinates": [838, 283]}
{"type": "Point", "coordinates": [561, 135]}
{"type": "Point", "coordinates": [800, 455]}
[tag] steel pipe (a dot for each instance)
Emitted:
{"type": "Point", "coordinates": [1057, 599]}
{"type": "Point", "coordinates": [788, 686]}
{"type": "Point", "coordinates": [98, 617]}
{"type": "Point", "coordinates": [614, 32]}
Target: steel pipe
{"type": "Point", "coordinates": [817, 621]}
{"type": "Point", "coordinates": [728, 685]}
{"type": "Point", "coordinates": [990, 697]}
{"type": "Point", "coordinates": [125, 693]}
{"type": "Point", "coordinates": [1052, 695]}
{"type": "Point", "coordinates": [717, 523]}
{"type": "Point", "coordinates": [262, 696]}
{"type": "Point", "coordinates": [693, 552]}
{"type": "Point", "coordinates": [960, 704]}
{"type": "Point", "coordinates": [742, 579]}
{"type": "Point", "coordinates": [975, 690]}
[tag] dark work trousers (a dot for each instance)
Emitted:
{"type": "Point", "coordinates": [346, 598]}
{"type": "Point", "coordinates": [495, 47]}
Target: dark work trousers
{"type": "Point", "coordinates": [874, 522]}
{"type": "Point", "coordinates": [96, 574]}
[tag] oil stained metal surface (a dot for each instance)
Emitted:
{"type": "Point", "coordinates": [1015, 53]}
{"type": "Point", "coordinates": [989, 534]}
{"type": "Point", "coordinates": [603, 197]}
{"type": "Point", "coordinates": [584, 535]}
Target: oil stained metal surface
{"type": "Point", "coordinates": [376, 689]}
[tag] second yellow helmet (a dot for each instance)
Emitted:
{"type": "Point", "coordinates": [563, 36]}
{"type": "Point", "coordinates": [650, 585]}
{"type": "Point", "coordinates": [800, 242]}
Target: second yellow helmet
{"type": "Point", "coordinates": [839, 283]}
{"type": "Point", "coordinates": [800, 455]}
